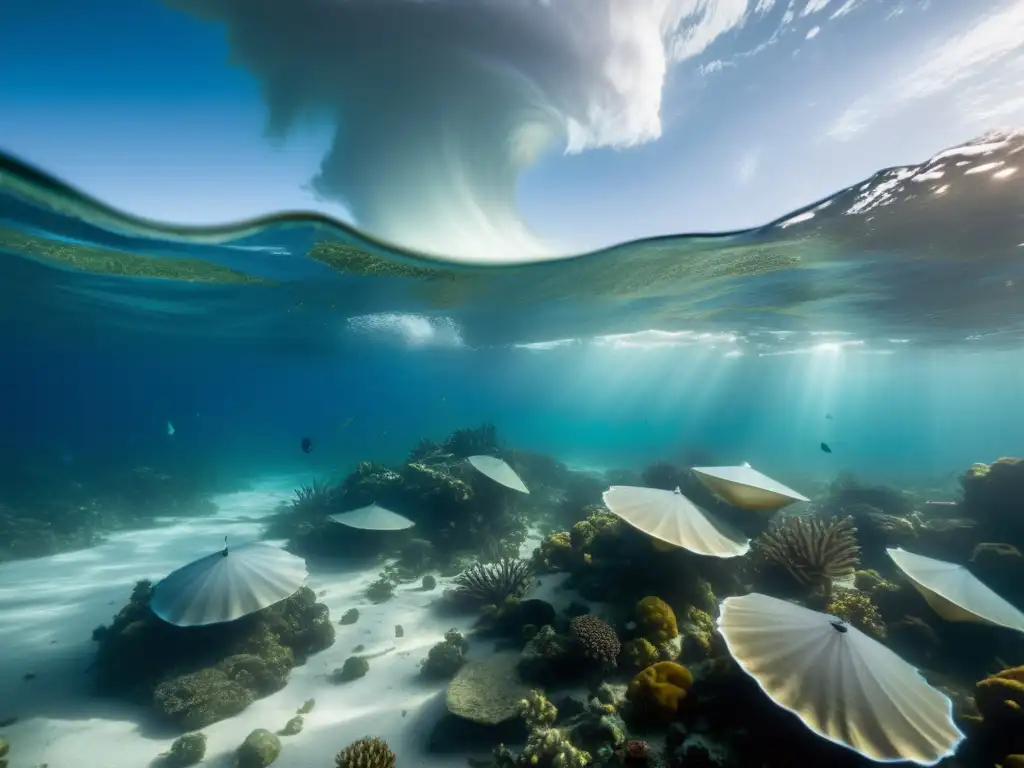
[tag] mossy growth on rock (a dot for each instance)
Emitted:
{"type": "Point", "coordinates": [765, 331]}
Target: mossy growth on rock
{"type": "Point", "coordinates": [292, 727]}
{"type": "Point", "coordinates": [186, 750]}
{"type": "Point", "coordinates": [446, 657]}
{"type": "Point", "coordinates": [353, 668]}
{"type": "Point", "coordinates": [260, 749]}
{"type": "Point", "coordinates": [195, 676]}
{"type": "Point", "coordinates": [351, 616]}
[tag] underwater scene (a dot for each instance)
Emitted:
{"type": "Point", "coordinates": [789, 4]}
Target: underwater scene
{"type": "Point", "coordinates": [278, 494]}
{"type": "Point", "coordinates": [515, 384]}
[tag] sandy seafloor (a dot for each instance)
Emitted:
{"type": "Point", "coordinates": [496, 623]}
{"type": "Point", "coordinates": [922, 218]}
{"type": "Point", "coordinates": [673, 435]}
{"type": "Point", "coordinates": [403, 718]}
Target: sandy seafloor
{"type": "Point", "coordinates": [50, 606]}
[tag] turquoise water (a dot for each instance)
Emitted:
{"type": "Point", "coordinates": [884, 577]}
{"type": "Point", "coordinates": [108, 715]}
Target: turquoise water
{"type": "Point", "coordinates": [894, 307]}
{"type": "Point", "coordinates": [165, 387]}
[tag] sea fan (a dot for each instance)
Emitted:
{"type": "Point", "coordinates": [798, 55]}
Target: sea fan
{"type": "Point", "coordinates": [494, 583]}
{"type": "Point", "coordinates": [812, 551]}
{"type": "Point", "coordinates": [313, 500]}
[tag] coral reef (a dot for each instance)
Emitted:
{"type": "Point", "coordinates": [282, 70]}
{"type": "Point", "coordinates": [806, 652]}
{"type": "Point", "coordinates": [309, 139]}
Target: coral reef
{"type": "Point", "coordinates": [659, 690]}
{"type": "Point", "coordinates": [196, 676]}
{"type": "Point", "coordinates": [43, 514]}
{"type": "Point", "coordinates": [367, 752]}
{"type": "Point", "coordinates": [487, 691]}
{"type": "Point", "coordinates": [812, 552]}
{"type": "Point", "coordinates": [456, 509]}
{"type": "Point", "coordinates": [492, 585]}
{"type": "Point", "coordinates": [639, 653]}
{"type": "Point", "coordinates": [656, 620]}
{"type": "Point", "coordinates": [858, 609]}
{"type": "Point", "coordinates": [537, 711]}
{"type": "Point", "coordinates": [597, 638]}
{"type": "Point", "coordinates": [446, 657]}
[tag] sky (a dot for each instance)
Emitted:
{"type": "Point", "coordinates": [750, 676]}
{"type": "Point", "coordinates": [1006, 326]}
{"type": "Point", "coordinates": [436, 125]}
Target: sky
{"type": "Point", "coordinates": [495, 130]}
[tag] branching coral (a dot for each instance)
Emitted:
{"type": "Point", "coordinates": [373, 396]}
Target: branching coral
{"type": "Point", "coordinates": [812, 551]}
{"type": "Point", "coordinates": [554, 553]}
{"type": "Point", "coordinates": [599, 520]}
{"type": "Point", "coordinates": [639, 653]}
{"type": "Point", "coordinates": [551, 746]}
{"type": "Point", "coordinates": [313, 499]}
{"type": "Point", "coordinates": [699, 629]}
{"type": "Point", "coordinates": [858, 609]}
{"type": "Point", "coordinates": [597, 637]}
{"type": "Point", "coordinates": [494, 583]}
{"type": "Point", "coordinates": [367, 752]}
{"type": "Point", "coordinates": [537, 712]}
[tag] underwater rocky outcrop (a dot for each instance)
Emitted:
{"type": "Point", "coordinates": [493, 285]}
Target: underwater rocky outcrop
{"type": "Point", "coordinates": [457, 510]}
{"type": "Point", "coordinates": [195, 676]}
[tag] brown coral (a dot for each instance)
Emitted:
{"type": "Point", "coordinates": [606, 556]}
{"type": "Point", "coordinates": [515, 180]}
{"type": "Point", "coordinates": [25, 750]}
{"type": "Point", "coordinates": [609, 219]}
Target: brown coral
{"type": "Point", "coordinates": [597, 637]}
{"type": "Point", "coordinates": [367, 752]}
{"type": "Point", "coordinates": [812, 551]}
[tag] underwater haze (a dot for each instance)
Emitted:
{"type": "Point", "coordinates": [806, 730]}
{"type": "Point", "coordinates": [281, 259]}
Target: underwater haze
{"type": "Point", "coordinates": [884, 321]}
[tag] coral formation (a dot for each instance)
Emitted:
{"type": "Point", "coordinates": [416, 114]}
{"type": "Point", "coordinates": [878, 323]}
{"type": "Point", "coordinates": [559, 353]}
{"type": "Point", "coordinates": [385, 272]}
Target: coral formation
{"type": "Point", "coordinates": [353, 668]}
{"type": "Point", "coordinates": [487, 691]}
{"type": "Point", "coordinates": [444, 658]}
{"type": "Point", "coordinates": [659, 690]}
{"type": "Point", "coordinates": [656, 620]}
{"type": "Point", "coordinates": [367, 752]}
{"type": "Point", "coordinates": [186, 750]}
{"type": "Point", "coordinates": [537, 711]}
{"type": "Point", "coordinates": [493, 584]}
{"type": "Point", "coordinates": [455, 508]}
{"type": "Point", "coordinates": [196, 676]}
{"type": "Point", "coordinates": [813, 552]}
{"type": "Point", "coordinates": [639, 653]}
{"type": "Point", "coordinates": [858, 609]}
{"type": "Point", "coordinates": [260, 749]}
{"type": "Point", "coordinates": [597, 638]}
{"type": "Point", "coordinates": [381, 590]}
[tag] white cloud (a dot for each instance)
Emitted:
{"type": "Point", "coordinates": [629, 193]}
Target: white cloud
{"type": "Point", "coordinates": [813, 6]}
{"type": "Point", "coordinates": [441, 105]}
{"type": "Point", "coordinates": [812, 33]}
{"type": "Point", "coordinates": [981, 68]}
{"type": "Point", "coordinates": [845, 8]}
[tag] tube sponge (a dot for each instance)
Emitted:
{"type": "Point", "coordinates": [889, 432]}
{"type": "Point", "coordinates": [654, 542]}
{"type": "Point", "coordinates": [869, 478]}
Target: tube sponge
{"type": "Point", "coordinates": [660, 689]}
{"type": "Point", "coordinates": [657, 620]}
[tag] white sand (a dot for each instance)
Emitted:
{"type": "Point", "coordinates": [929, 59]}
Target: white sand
{"type": "Point", "coordinates": [49, 607]}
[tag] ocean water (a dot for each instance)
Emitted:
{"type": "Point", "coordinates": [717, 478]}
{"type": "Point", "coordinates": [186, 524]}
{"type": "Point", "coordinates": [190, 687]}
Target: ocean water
{"type": "Point", "coordinates": [885, 322]}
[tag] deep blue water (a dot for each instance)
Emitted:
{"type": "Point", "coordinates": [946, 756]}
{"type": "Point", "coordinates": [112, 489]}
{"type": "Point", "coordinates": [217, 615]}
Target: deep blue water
{"type": "Point", "coordinates": [895, 309]}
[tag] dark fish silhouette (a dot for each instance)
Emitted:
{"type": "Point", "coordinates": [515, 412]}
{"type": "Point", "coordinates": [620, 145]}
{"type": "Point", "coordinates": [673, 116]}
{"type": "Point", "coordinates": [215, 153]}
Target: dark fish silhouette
{"type": "Point", "coordinates": [307, 445]}
{"type": "Point", "coordinates": [828, 415]}
{"type": "Point", "coordinates": [825, 448]}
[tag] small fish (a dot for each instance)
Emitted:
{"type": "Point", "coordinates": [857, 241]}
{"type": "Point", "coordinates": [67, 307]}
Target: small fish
{"type": "Point", "coordinates": [170, 429]}
{"type": "Point", "coordinates": [307, 444]}
{"type": "Point", "coordinates": [825, 448]}
{"type": "Point", "coordinates": [828, 416]}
